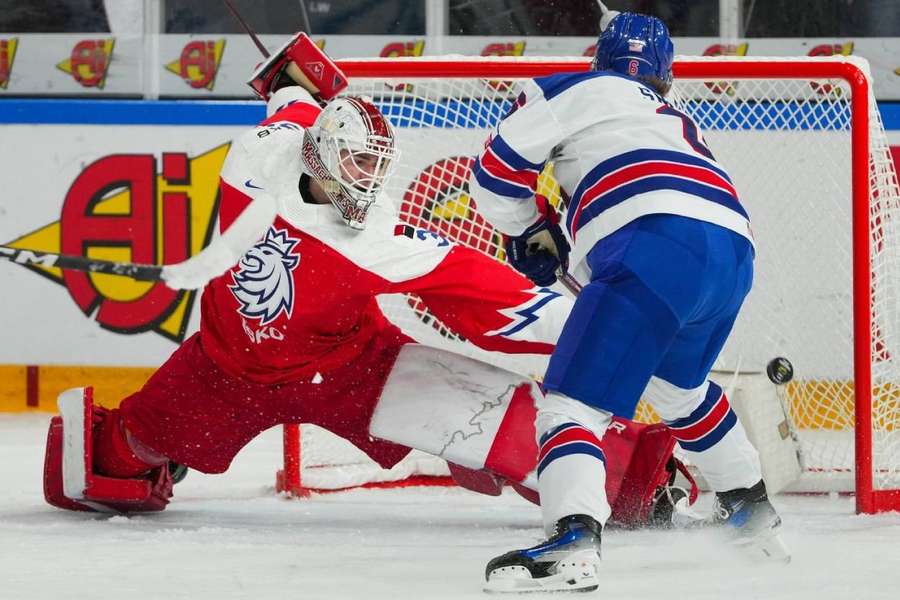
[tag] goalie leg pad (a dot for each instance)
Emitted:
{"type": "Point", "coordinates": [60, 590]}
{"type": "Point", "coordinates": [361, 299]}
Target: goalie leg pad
{"type": "Point", "coordinates": [70, 480]}
{"type": "Point", "coordinates": [481, 419]}
{"type": "Point", "coordinates": [476, 415]}
{"type": "Point", "coordinates": [53, 470]}
{"type": "Point", "coordinates": [640, 472]}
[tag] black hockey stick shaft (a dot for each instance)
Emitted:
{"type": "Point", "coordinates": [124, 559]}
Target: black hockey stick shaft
{"type": "Point", "coordinates": [81, 263]}
{"type": "Point", "coordinates": [304, 16]}
{"type": "Point", "coordinates": [246, 27]}
{"type": "Point", "coordinates": [568, 281]}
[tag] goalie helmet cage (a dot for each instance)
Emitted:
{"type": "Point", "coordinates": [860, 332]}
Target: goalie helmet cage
{"type": "Point", "coordinates": [804, 143]}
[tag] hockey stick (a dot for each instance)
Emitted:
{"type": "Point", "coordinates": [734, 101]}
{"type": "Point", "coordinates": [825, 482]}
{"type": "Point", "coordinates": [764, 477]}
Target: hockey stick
{"type": "Point", "coordinates": [250, 32]}
{"type": "Point", "coordinates": [140, 272]}
{"type": "Point", "coordinates": [81, 263]}
{"type": "Point", "coordinates": [781, 372]}
{"type": "Point", "coordinates": [568, 281]}
{"type": "Point", "coordinates": [606, 15]}
{"type": "Point", "coordinates": [307, 26]}
{"type": "Point", "coordinates": [216, 258]}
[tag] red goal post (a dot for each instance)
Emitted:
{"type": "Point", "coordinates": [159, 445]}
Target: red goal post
{"type": "Point", "coordinates": [803, 139]}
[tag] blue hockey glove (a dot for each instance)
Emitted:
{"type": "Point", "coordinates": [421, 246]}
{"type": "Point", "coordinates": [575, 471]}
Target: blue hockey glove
{"type": "Point", "coordinates": [540, 250]}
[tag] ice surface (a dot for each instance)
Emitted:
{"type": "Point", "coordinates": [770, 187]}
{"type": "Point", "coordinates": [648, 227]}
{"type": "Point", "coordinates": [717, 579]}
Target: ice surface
{"type": "Point", "coordinates": [229, 536]}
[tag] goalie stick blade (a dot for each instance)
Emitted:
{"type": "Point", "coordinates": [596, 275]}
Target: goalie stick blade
{"type": "Point", "coordinates": [575, 573]}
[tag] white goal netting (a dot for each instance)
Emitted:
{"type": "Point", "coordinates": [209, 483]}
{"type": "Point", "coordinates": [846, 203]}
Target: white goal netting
{"type": "Point", "coordinates": [786, 141]}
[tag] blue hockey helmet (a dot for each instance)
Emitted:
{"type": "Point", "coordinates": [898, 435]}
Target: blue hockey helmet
{"type": "Point", "coordinates": [636, 45]}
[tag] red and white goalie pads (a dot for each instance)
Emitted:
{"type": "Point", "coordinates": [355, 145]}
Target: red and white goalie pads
{"type": "Point", "coordinates": [480, 419]}
{"type": "Point", "coordinates": [70, 481]}
{"type": "Point", "coordinates": [305, 64]}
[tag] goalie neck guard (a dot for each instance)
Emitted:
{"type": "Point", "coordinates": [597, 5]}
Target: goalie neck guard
{"type": "Point", "coordinates": [350, 150]}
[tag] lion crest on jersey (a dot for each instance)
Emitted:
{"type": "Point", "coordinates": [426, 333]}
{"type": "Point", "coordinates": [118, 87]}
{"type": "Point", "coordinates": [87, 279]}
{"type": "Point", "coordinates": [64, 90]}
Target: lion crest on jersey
{"type": "Point", "coordinates": [264, 281]}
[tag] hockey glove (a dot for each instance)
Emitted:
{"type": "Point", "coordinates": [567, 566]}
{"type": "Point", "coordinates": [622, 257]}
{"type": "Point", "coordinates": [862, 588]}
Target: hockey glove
{"type": "Point", "coordinates": [541, 249]}
{"type": "Point", "coordinates": [298, 62]}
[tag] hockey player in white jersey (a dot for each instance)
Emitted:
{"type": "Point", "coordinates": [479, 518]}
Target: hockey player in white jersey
{"type": "Point", "coordinates": [655, 232]}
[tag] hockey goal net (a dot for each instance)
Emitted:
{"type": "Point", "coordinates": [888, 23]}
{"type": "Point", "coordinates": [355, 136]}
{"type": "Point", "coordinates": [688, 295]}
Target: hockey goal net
{"type": "Point", "coordinates": [804, 143]}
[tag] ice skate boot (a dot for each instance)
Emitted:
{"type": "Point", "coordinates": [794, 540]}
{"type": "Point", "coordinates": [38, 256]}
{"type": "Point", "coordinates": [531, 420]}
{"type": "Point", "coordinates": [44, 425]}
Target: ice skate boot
{"type": "Point", "coordinates": [568, 561]}
{"type": "Point", "coordinates": [752, 522]}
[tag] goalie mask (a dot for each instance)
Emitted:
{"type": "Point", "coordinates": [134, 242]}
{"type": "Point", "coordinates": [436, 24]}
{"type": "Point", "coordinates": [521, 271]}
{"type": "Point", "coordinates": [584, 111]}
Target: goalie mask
{"type": "Point", "coordinates": [350, 151]}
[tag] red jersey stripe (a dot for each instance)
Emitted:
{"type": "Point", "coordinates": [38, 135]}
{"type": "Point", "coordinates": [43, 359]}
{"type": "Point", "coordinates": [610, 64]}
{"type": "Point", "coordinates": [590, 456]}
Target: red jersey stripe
{"type": "Point", "coordinates": [495, 167]}
{"type": "Point", "coordinates": [706, 424]}
{"type": "Point", "coordinates": [638, 171]}
{"type": "Point", "coordinates": [567, 436]}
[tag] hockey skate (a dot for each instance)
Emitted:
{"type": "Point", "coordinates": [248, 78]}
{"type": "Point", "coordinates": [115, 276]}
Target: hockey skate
{"type": "Point", "coordinates": [568, 561]}
{"type": "Point", "coordinates": [69, 478]}
{"type": "Point", "coordinates": [751, 522]}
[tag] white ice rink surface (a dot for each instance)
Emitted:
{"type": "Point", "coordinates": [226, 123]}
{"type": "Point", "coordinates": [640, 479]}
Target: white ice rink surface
{"type": "Point", "coordinates": [228, 536]}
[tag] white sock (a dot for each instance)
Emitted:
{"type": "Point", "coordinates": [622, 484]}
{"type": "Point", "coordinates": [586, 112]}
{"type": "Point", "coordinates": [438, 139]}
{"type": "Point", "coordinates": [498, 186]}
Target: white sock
{"type": "Point", "coordinates": [571, 466]}
{"type": "Point", "coordinates": [709, 432]}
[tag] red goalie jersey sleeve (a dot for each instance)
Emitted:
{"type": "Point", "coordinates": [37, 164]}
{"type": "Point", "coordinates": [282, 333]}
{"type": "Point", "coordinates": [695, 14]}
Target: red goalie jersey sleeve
{"type": "Point", "coordinates": [487, 302]}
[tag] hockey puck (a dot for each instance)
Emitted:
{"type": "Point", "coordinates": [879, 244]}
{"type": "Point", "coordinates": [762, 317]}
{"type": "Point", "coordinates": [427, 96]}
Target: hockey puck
{"type": "Point", "coordinates": [780, 370]}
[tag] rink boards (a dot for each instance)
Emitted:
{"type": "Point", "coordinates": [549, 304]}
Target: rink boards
{"type": "Point", "coordinates": [70, 164]}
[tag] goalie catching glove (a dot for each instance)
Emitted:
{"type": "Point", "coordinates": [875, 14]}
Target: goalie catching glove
{"type": "Point", "coordinates": [541, 249]}
{"type": "Point", "coordinates": [299, 62]}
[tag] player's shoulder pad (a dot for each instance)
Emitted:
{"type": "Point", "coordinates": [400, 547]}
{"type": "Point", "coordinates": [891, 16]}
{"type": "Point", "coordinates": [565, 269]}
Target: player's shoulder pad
{"type": "Point", "coordinates": [293, 97]}
{"type": "Point", "coordinates": [301, 113]}
{"type": "Point", "coordinates": [554, 85]}
{"type": "Point", "coordinates": [285, 126]}
{"type": "Point", "coordinates": [406, 239]}
{"type": "Point", "coordinates": [272, 136]}
{"type": "Point", "coordinates": [270, 152]}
